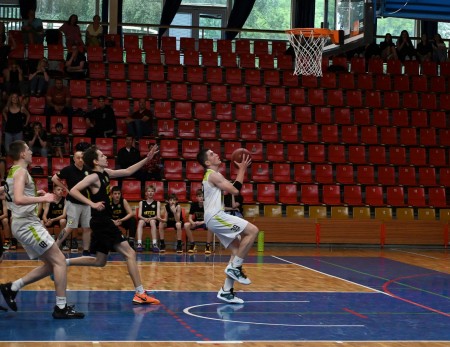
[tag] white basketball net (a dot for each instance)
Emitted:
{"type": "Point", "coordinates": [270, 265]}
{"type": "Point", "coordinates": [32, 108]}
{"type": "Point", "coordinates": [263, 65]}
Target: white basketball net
{"type": "Point", "coordinates": [308, 52]}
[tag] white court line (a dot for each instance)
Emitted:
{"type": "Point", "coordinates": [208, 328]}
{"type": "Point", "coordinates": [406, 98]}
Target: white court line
{"type": "Point", "coordinates": [324, 273]}
{"type": "Point", "coordinates": [414, 253]}
{"type": "Point", "coordinates": [187, 311]}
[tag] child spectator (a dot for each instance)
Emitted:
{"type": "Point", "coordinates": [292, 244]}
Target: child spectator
{"type": "Point", "coordinates": [172, 218]}
{"type": "Point", "coordinates": [59, 141]}
{"type": "Point", "coordinates": [149, 215]}
{"type": "Point", "coordinates": [196, 221]}
{"type": "Point", "coordinates": [122, 214]}
{"type": "Point", "coordinates": [39, 79]}
{"type": "Point", "coordinates": [38, 140]}
{"type": "Point", "coordinates": [54, 213]}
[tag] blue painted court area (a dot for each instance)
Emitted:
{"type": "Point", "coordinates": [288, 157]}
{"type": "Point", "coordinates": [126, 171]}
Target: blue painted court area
{"type": "Point", "coordinates": [409, 303]}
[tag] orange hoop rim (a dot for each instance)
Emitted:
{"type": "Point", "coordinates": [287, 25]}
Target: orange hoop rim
{"type": "Point", "coordinates": [316, 33]}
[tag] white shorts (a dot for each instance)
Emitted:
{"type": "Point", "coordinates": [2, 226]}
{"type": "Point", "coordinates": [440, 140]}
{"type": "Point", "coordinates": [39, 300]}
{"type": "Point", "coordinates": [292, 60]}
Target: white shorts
{"type": "Point", "coordinates": [33, 236]}
{"type": "Point", "coordinates": [78, 214]}
{"type": "Point", "coordinates": [226, 227]}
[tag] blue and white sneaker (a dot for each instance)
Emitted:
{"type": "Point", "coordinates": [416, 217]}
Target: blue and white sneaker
{"type": "Point", "coordinates": [237, 274]}
{"type": "Point", "coordinates": [229, 297]}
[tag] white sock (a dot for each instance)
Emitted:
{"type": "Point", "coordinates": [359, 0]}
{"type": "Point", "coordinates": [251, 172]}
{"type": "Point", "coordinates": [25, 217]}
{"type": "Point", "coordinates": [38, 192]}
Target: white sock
{"type": "Point", "coordinates": [17, 285]}
{"type": "Point", "coordinates": [155, 241]}
{"type": "Point", "coordinates": [228, 284]}
{"type": "Point", "coordinates": [139, 242]}
{"type": "Point", "coordinates": [61, 301]}
{"type": "Point", "coordinates": [140, 289]}
{"type": "Point", "coordinates": [68, 261]}
{"type": "Point", "coordinates": [237, 261]}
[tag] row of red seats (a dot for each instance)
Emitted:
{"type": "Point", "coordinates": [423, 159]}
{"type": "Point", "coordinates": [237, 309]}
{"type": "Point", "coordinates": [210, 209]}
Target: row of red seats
{"type": "Point", "coordinates": [260, 95]}
{"type": "Point", "coordinates": [269, 77]}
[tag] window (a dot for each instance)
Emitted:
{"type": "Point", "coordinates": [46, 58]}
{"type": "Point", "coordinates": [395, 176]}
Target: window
{"type": "Point", "coordinates": [269, 15]}
{"type": "Point", "coordinates": [395, 26]}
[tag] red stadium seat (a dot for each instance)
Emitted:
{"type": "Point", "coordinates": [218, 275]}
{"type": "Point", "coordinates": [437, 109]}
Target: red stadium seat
{"type": "Point", "coordinates": [353, 195]}
{"type": "Point", "coordinates": [288, 194]}
{"type": "Point", "coordinates": [417, 156]}
{"type": "Point", "coordinates": [437, 197]}
{"type": "Point", "coordinates": [345, 174]}
{"type": "Point", "coordinates": [362, 116]}
{"type": "Point", "coordinates": [119, 89]}
{"type": "Point", "coordinates": [316, 153]}
{"type": "Point", "coordinates": [224, 112]}
{"type": "Point", "coordinates": [260, 172]}
{"type": "Point", "coordinates": [166, 127]}
{"type": "Point", "coordinates": [395, 196]}
{"type": "Point", "coordinates": [194, 171]}
{"type": "Point", "coordinates": [133, 55]}
{"type": "Point", "coordinates": [281, 172]}
{"type": "Point", "coordinates": [275, 152]}
{"type": "Point", "coordinates": [389, 136]}
{"type": "Point", "coordinates": [416, 197]}
{"type": "Point", "coordinates": [303, 173]}
{"type": "Point", "coordinates": [271, 77]}
{"type": "Point", "coordinates": [297, 96]}
{"type": "Point", "coordinates": [218, 93]}
{"type": "Point", "coordinates": [337, 154]}
{"type": "Point", "coordinates": [210, 58]}
{"type": "Point", "coordinates": [233, 76]}
{"type": "Point", "coordinates": [156, 73]}
{"type": "Point", "coordinates": [407, 176]}
{"type": "Point", "coordinates": [173, 169]}
{"type": "Point", "coordinates": [163, 110]}
{"type": "Point", "coordinates": [309, 194]}
{"type": "Point", "coordinates": [357, 154]}
{"type": "Point", "coordinates": [269, 132]}
{"type": "Point", "coordinates": [324, 173]}
{"type": "Point", "coordinates": [179, 189]}
{"type": "Point", "coordinates": [175, 73]}
{"type": "Point", "coordinates": [252, 77]}
{"type": "Point", "coordinates": [186, 129]}
{"type": "Point", "coordinates": [228, 130]}
{"type": "Point", "coordinates": [365, 174]}
{"type": "Point", "coordinates": [168, 148]}
{"type": "Point", "coordinates": [191, 58]}
{"type": "Point", "coordinates": [256, 150]}
{"type": "Point", "coordinates": [427, 176]}
{"type": "Point", "coordinates": [131, 190]}
{"type": "Point", "coordinates": [397, 155]}
{"type": "Point", "coordinates": [189, 149]}
{"type": "Point", "coordinates": [136, 72]}
{"type": "Point", "coordinates": [349, 134]}
{"type": "Point", "coordinates": [249, 131]}
{"type": "Point", "coordinates": [199, 92]}
{"type": "Point", "coordinates": [444, 176]}
{"type": "Point", "coordinates": [265, 193]}
{"type": "Point", "coordinates": [171, 56]}
{"type": "Point", "coordinates": [228, 59]}
{"type": "Point", "coordinates": [289, 132]}
{"type": "Point", "coordinates": [322, 115]}
{"type": "Point", "coordinates": [386, 175]}
{"type": "Point", "coordinates": [332, 194]}
{"type": "Point", "coordinates": [374, 196]}
{"type": "Point", "coordinates": [207, 130]}
{"type": "Point", "coordinates": [408, 136]}
{"type": "Point", "coordinates": [309, 133]}
{"type": "Point", "coordinates": [58, 164]}
{"type": "Point", "coordinates": [437, 157]}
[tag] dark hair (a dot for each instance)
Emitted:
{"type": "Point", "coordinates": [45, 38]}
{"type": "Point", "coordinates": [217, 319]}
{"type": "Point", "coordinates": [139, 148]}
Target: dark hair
{"type": "Point", "coordinates": [89, 156]}
{"type": "Point", "coordinates": [59, 125]}
{"type": "Point", "coordinates": [199, 192]}
{"type": "Point", "coordinates": [201, 157]}
{"type": "Point", "coordinates": [115, 189]}
{"type": "Point", "coordinates": [70, 18]}
{"type": "Point", "coordinates": [172, 196]}
{"type": "Point", "coordinates": [82, 146]}
{"type": "Point", "coordinates": [15, 148]}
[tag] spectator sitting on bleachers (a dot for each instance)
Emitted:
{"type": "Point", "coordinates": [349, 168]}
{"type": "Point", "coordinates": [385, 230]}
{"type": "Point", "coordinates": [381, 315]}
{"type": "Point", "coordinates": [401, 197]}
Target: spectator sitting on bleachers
{"type": "Point", "coordinates": [101, 122]}
{"type": "Point", "coordinates": [141, 122]}
{"type": "Point", "coordinates": [39, 79]}
{"type": "Point", "coordinates": [72, 32]}
{"type": "Point", "coordinates": [32, 28]}
{"type": "Point", "coordinates": [54, 213]}
{"type": "Point", "coordinates": [58, 100]}
{"type": "Point", "coordinates": [439, 49]}
{"type": "Point", "coordinates": [76, 63]}
{"type": "Point", "coordinates": [59, 141]}
{"type": "Point", "coordinates": [94, 33]}
{"type": "Point", "coordinates": [387, 48]}
{"type": "Point", "coordinates": [424, 49]}
{"type": "Point", "coordinates": [13, 79]}
{"type": "Point", "coordinates": [37, 140]}
{"type": "Point", "coordinates": [405, 47]}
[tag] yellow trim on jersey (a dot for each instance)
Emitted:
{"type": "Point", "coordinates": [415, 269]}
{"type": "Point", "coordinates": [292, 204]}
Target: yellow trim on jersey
{"type": "Point", "coordinates": [35, 233]}
{"type": "Point", "coordinates": [207, 173]}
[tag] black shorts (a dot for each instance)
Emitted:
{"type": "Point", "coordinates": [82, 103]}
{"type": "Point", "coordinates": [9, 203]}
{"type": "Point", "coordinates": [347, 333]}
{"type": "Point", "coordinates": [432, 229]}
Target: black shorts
{"type": "Point", "coordinates": [172, 224]}
{"type": "Point", "coordinates": [105, 235]}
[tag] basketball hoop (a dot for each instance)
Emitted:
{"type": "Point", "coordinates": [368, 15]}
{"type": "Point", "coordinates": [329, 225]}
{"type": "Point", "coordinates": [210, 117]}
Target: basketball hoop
{"type": "Point", "coordinates": [308, 44]}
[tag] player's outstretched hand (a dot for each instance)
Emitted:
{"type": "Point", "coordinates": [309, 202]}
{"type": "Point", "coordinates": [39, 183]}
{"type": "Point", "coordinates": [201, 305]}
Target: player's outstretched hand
{"type": "Point", "coordinates": [245, 163]}
{"type": "Point", "coordinates": [48, 197]}
{"type": "Point", "coordinates": [153, 151]}
{"type": "Point", "coordinates": [99, 206]}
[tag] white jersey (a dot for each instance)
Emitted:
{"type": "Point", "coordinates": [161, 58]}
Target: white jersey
{"type": "Point", "coordinates": [21, 211]}
{"type": "Point", "coordinates": [213, 197]}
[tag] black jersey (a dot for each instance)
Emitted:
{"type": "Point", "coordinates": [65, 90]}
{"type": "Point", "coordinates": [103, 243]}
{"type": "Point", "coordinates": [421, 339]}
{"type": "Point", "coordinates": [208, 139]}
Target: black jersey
{"type": "Point", "coordinates": [118, 210]}
{"type": "Point", "coordinates": [102, 195]}
{"type": "Point", "coordinates": [149, 210]}
{"type": "Point", "coordinates": [171, 216]}
{"type": "Point", "coordinates": [198, 211]}
{"type": "Point", "coordinates": [73, 175]}
{"type": "Point", "coordinates": [56, 209]}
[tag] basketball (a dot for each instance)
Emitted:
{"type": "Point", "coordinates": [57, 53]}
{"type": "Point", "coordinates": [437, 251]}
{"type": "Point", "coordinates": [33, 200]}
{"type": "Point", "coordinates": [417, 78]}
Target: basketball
{"type": "Point", "coordinates": [237, 155]}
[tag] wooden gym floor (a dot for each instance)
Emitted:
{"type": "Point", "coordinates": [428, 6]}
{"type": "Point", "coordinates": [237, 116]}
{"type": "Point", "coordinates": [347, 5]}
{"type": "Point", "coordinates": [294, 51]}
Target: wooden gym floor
{"type": "Point", "coordinates": [300, 296]}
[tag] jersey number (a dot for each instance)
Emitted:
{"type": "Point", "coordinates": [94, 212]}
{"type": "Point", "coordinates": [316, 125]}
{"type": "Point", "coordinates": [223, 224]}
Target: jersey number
{"type": "Point", "coordinates": [235, 228]}
{"type": "Point", "coordinates": [42, 244]}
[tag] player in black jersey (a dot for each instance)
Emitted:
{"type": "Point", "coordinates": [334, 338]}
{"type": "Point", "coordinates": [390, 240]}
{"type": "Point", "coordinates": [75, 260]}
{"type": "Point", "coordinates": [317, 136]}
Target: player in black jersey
{"type": "Point", "coordinates": [54, 213]}
{"type": "Point", "coordinates": [172, 218]}
{"type": "Point", "coordinates": [123, 214]}
{"type": "Point", "coordinates": [106, 236]}
{"type": "Point", "coordinates": [196, 222]}
{"type": "Point", "coordinates": [149, 213]}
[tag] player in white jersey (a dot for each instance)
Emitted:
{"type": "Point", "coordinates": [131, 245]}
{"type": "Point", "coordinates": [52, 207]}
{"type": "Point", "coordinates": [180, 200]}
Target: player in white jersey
{"type": "Point", "coordinates": [26, 227]}
{"type": "Point", "coordinates": [236, 234]}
